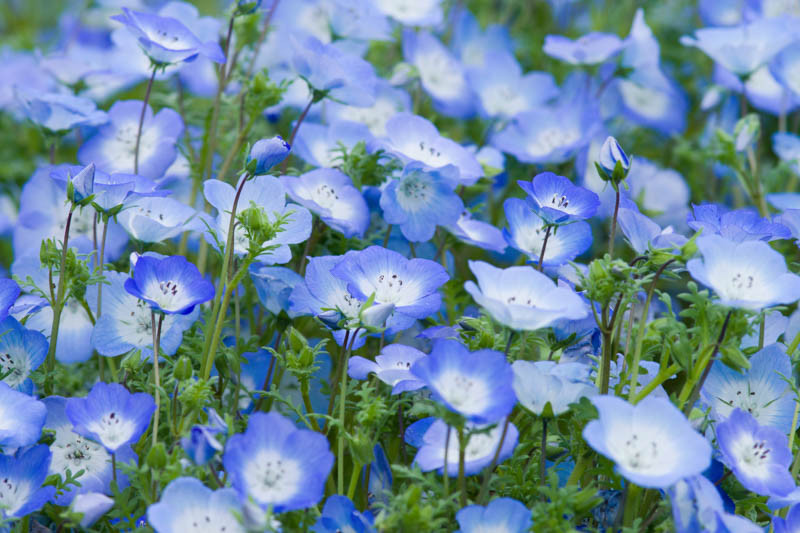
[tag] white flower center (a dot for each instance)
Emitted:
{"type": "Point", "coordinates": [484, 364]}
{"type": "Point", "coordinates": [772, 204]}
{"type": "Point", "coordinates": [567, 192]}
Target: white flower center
{"type": "Point", "coordinates": [112, 429]}
{"type": "Point", "coordinates": [388, 288]}
{"type": "Point", "coordinates": [325, 196]}
{"type": "Point", "coordinates": [465, 393]}
{"type": "Point", "coordinates": [272, 478]}
{"type": "Point", "coordinates": [549, 140]}
{"type": "Point", "coordinates": [14, 494]}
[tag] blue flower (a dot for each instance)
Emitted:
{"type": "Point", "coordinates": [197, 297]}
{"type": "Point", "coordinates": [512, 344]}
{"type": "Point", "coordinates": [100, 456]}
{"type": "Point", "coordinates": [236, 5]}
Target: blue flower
{"type": "Point", "coordinates": [523, 298]}
{"type": "Point", "coordinates": [126, 323]}
{"type": "Point", "coordinates": [742, 49]}
{"type": "Point", "coordinates": [91, 505]}
{"type": "Point", "coordinates": [412, 285]}
{"type": "Point", "coordinates": [58, 112]}
{"type": "Point", "coordinates": [651, 443]}
{"type": "Point", "coordinates": [9, 292]}
{"type": "Point", "coordinates": [112, 148]}
{"type": "Point", "coordinates": [738, 225]}
{"type": "Point", "coordinates": [697, 506]}
{"type": "Point", "coordinates": [478, 233]}
{"type": "Point", "coordinates": [111, 415]}
{"type": "Point", "coordinates": [477, 385]}
{"type": "Point", "coordinates": [591, 49]}
{"type": "Point", "coordinates": [556, 200]}
{"type": "Point", "coordinates": [503, 514]}
{"type": "Point", "coordinates": [267, 153]}
{"type": "Point", "coordinates": [380, 479]}
{"type": "Point", "coordinates": [332, 72]}
{"type": "Point", "coordinates": [360, 20]}
{"type": "Point", "coordinates": [413, 13]}
{"type": "Point", "coordinates": [542, 383]}
{"type": "Point", "coordinates": [171, 285]}
{"type": "Point", "coordinates": [441, 75]}
{"type": "Point", "coordinates": [156, 219]}
{"type": "Point", "coordinates": [202, 445]}
{"type": "Point", "coordinates": [268, 194]}
{"type": "Point", "coordinates": [759, 456]}
{"type": "Point", "coordinates": [431, 435]}
{"type": "Point", "coordinates": [320, 145]}
{"type": "Point", "coordinates": [339, 514]}
{"type": "Point", "coordinates": [186, 504]}
{"type": "Point", "coordinates": [110, 190]}
{"type": "Point", "coordinates": [392, 366]}
{"type": "Point", "coordinates": [748, 274]}
{"type": "Point", "coordinates": [526, 232]}
{"type": "Point", "coordinates": [277, 465]}
{"type": "Point", "coordinates": [331, 195]}
{"type": "Point", "coordinates": [643, 234]}
{"type": "Point", "coordinates": [22, 351]}
{"type": "Point", "coordinates": [790, 524]}
{"type": "Point", "coordinates": [413, 138]}
{"type": "Point", "coordinates": [419, 201]}
{"type": "Point", "coordinates": [23, 476]}
{"type": "Point", "coordinates": [78, 453]}
{"type": "Point", "coordinates": [23, 418]}
{"type": "Point", "coordinates": [166, 40]}
{"type": "Point", "coordinates": [274, 286]}
{"type": "Point", "coordinates": [762, 391]}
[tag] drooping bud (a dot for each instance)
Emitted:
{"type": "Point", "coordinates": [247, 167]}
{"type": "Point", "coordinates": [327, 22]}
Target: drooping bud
{"type": "Point", "coordinates": [265, 154]}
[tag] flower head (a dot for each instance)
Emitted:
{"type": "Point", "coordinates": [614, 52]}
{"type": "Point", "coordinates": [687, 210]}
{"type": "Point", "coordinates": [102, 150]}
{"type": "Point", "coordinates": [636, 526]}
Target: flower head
{"type": "Point", "coordinates": [339, 514]}
{"type": "Point", "coordinates": [591, 49]}
{"type": "Point", "coordinates": [542, 383]}
{"type": "Point", "coordinates": [266, 153]}
{"type": "Point", "coordinates": [611, 155]}
{"type": "Point", "coordinates": [186, 504]}
{"type": "Point", "coordinates": [392, 366]}
{"type": "Point", "coordinates": [171, 285]}
{"type": "Point", "coordinates": [557, 200]}
{"type": "Point", "coordinates": [21, 418]}
{"type": "Point", "coordinates": [503, 514]}
{"type": "Point", "coordinates": [60, 112]}
{"type": "Point", "coordinates": [23, 476]}
{"type": "Point", "coordinates": [651, 443]}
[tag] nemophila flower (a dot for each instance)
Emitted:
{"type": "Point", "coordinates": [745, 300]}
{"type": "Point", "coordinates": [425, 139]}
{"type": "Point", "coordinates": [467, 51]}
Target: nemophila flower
{"type": "Point", "coordinates": [267, 153]}
{"type": "Point", "coordinates": [477, 233]}
{"type": "Point", "coordinates": [74, 452]}
{"type": "Point", "coordinates": [748, 274]}
{"type": "Point", "coordinates": [126, 322]}
{"type": "Point", "coordinates": [74, 335]}
{"type": "Point", "coordinates": [155, 219]}
{"type": "Point", "coordinates": [361, 20]}
{"type": "Point", "coordinates": [441, 74]}
{"type": "Point", "coordinates": [549, 134]}
{"type": "Point", "coordinates": [277, 465]}
{"type": "Point", "coordinates": [23, 475]}
{"type": "Point", "coordinates": [22, 418]}
{"type": "Point", "coordinates": [743, 48]}
{"type": "Point", "coordinates": [473, 43]}
{"type": "Point", "coordinates": [171, 285]}
{"type": "Point", "coordinates": [111, 415]}
{"type": "Point", "coordinates": [419, 200]}
{"type": "Point", "coordinates": [389, 101]}
{"type": "Point", "coordinates": [430, 436]}
{"type": "Point", "coordinates": [22, 351]}
{"type": "Point", "coordinates": [60, 111]}
{"type": "Point", "coordinates": [91, 505]}
{"type": "Point", "coordinates": [413, 138]}
{"type": "Point", "coordinates": [321, 145]}
{"type": "Point", "coordinates": [268, 194]}
{"type": "Point", "coordinates": [109, 190]}
{"type": "Point", "coordinates": [790, 524]}
{"type": "Point", "coordinates": [521, 297]}
{"type": "Point", "coordinates": [339, 514]}
{"type": "Point", "coordinates": [477, 385]}
{"type": "Point", "coordinates": [611, 153]}
{"type": "Point", "coordinates": [9, 292]}
{"type": "Point", "coordinates": [332, 72]}
{"type": "Point", "coordinates": [392, 366]}
{"type": "Point", "coordinates": [188, 505]}
{"type": "Point", "coordinates": [759, 456]}
{"type": "Point", "coordinates": [330, 194]}
{"type": "Point", "coordinates": [737, 225]}
{"type": "Point", "coordinates": [763, 390]}
{"type": "Point", "coordinates": [167, 40]}
{"type": "Point", "coordinates": [503, 90]}
{"type": "Point", "coordinates": [557, 200]}
{"type": "Point", "coordinates": [413, 12]}
{"type": "Point", "coordinates": [274, 286]}
{"type": "Point", "coordinates": [697, 506]}
{"type": "Point", "coordinates": [526, 232]}
{"type": "Point", "coordinates": [643, 234]}
{"type": "Point", "coordinates": [113, 148]}
{"type": "Point", "coordinates": [43, 215]}
{"type": "Point", "coordinates": [412, 285]}
{"type": "Point", "coordinates": [202, 444]}
{"type": "Point", "coordinates": [502, 515]}
{"type": "Point", "coordinates": [651, 443]}
{"type": "Point", "coordinates": [591, 49]}
{"type": "Point", "coordinates": [542, 383]}
{"type": "Point", "coordinates": [787, 147]}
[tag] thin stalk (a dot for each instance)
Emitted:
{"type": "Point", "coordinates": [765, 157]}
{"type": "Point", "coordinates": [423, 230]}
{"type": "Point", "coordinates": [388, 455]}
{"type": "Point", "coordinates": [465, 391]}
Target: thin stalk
{"type": "Point", "coordinates": [388, 234]}
{"type": "Point", "coordinates": [58, 307]}
{"type": "Point", "coordinates": [489, 471]}
{"type": "Point", "coordinates": [310, 410]}
{"type": "Point", "coordinates": [114, 467]}
{"type": "Point", "coordinates": [632, 499]}
{"type": "Point", "coordinates": [446, 479]}
{"type": "Point", "coordinates": [543, 456]}
{"type": "Point", "coordinates": [292, 135]}
{"type": "Point", "coordinates": [100, 267]}
{"type": "Point", "coordinates": [337, 376]}
{"type": "Point", "coordinates": [544, 247]}
{"type": "Point", "coordinates": [613, 235]}
{"type": "Point", "coordinates": [637, 354]}
{"type": "Point", "coordinates": [316, 229]}
{"type": "Point", "coordinates": [761, 330]}
{"type": "Point", "coordinates": [699, 385]}
{"type": "Point", "coordinates": [462, 482]}
{"type": "Point", "coordinates": [351, 489]}
{"type": "Point", "coordinates": [157, 378]}
{"type": "Point", "coordinates": [342, 412]}
{"type": "Point", "coordinates": [141, 120]}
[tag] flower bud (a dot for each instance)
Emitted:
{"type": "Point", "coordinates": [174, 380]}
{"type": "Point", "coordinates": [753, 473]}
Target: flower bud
{"type": "Point", "coordinates": [375, 316]}
{"type": "Point", "coordinates": [157, 457]}
{"type": "Point", "coordinates": [613, 164]}
{"type": "Point", "coordinates": [81, 186]}
{"type": "Point", "coordinates": [265, 154]}
{"type": "Point", "coordinates": [183, 368]}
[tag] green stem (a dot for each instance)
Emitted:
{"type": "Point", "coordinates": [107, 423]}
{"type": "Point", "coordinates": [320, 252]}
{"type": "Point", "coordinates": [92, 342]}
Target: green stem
{"type": "Point", "coordinates": [309, 408]}
{"type": "Point", "coordinates": [632, 499]}
{"type": "Point", "coordinates": [544, 247]}
{"type": "Point", "coordinates": [342, 412]}
{"type": "Point", "coordinates": [141, 120]}
{"type": "Point", "coordinates": [543, 456]}
{"type": "Point", "coordinates": [446, 479]}
{"type": "Point", "coordinates": [100, 268]}
{"type": "Point", "coordinates": [351, 489]}
{"type": "Point", "coordinates": [58, 306]}
{"type": "Point", "coordinates": [292, 135]}
{"type": "Point", "coordinates": [699, 385]}
{"type": "Point", "coordinates": [613, 234]}
{"type": "Point", "coordinates": [489, 471]}
{"type": "Point", "coordinates": [462, 482]}
{"type": "Point", "coordinates": [156, 375]}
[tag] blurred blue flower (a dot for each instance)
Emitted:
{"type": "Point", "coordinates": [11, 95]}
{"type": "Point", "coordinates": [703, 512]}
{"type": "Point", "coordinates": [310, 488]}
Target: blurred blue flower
{"type": "Point", "coordinates": [24, 418]}
{"type": "Point", "coordinates": [590, 49]}
{"type": "Point", "coordinates": [339, 514]}
{"type": "Point", "coordinates": [60, 111]}
{"type": "Point", "coordinates": [542, 383]}
{"type": "Point", "coordinates": [392, 366]}
{"type": "Point", "coordinates": [187, 504]}
{"type": "Point", "coordinates": [697, 506]}
{"type": "Point", "coordinates": [737, 225]}
{"type": "Point", "coordinates": [502, 514]}
{"type": "Point", "coordinates": [22, 351]}
{"type": "Point", "coordinates": [267, 153]}
{"type": "Point", "coordinates": [643, 234]}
